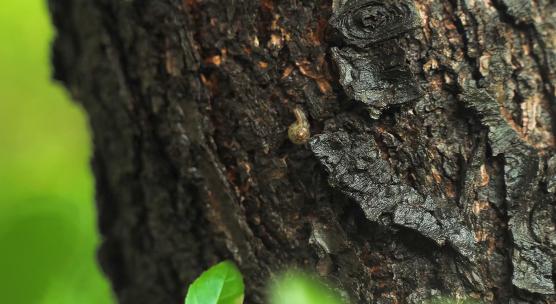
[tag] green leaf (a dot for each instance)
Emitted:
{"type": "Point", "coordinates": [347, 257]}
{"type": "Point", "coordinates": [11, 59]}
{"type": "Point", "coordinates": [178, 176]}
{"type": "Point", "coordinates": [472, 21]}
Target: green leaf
{"type": "Point", "coordinates": [299, 288]}
{"type": "Point", "coordinates": [221, 284]}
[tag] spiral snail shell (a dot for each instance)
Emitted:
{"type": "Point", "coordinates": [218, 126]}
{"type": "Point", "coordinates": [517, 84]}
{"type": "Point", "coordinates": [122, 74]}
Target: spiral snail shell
{"type": "Point", "coordinates": [299, 132]}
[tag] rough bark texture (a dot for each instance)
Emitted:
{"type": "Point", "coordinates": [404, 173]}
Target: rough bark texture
{"type": "Point", "coordinates": [431, 168]}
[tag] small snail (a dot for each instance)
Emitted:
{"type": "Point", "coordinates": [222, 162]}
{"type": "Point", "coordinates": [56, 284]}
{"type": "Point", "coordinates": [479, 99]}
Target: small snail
{"type": "Point", "coordinates": [299, 132]}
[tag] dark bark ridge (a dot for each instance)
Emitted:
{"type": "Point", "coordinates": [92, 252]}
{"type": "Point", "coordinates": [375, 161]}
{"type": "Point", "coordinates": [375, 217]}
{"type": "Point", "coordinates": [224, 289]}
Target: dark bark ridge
{"type": "Point", "coordinates": [431, 171]}
{"type": "Point", "coordinates": [372, 67]}
{"type": "Point", "coordinates": [357, 168]}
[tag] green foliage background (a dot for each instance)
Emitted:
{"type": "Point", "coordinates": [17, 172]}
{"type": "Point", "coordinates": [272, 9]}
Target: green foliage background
{"type": "Point", "coordinates": [47, 224]}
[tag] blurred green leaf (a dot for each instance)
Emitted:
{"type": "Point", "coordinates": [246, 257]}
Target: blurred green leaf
{"type": "Point", "coordinates": [40, 244]}
{"type": "Point", "coordinates": [221, 284]}
{"type": "Point", "coordinates": [48, 238]}
{"type": "Point", "coordinates": [299, 288]}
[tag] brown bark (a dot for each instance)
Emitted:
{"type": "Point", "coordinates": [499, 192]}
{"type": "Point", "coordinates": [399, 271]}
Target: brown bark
{"type": "Point", "coordinates": [442, 181]}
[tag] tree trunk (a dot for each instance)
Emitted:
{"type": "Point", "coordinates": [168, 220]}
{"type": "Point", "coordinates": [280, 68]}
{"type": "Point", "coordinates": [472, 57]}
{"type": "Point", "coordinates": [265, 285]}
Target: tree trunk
{"type": "Point", "coordinates": [430, 168]}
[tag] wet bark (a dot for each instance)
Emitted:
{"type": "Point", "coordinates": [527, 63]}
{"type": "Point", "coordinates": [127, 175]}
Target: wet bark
{"type": "Point", "coordinates": [430, 168]}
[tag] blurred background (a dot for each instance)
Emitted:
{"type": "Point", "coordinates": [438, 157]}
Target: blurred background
{"type": "Point", "coordinates": [48, 233]}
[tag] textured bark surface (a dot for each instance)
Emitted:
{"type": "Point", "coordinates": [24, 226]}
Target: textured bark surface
{"type": "Point", "coordinates": [431, 168]}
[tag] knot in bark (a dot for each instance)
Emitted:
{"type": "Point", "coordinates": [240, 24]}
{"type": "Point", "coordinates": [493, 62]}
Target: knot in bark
{"type": "Point", "coordinates": [364, 22]}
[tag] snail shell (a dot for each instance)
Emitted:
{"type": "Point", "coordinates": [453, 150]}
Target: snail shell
{"type": "Point", "coordinates": [299, 132]}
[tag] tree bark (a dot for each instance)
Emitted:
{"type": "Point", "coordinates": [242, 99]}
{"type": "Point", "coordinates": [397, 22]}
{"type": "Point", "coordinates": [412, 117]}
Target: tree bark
{"type": "Point", "coordinates": [430, 168]}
